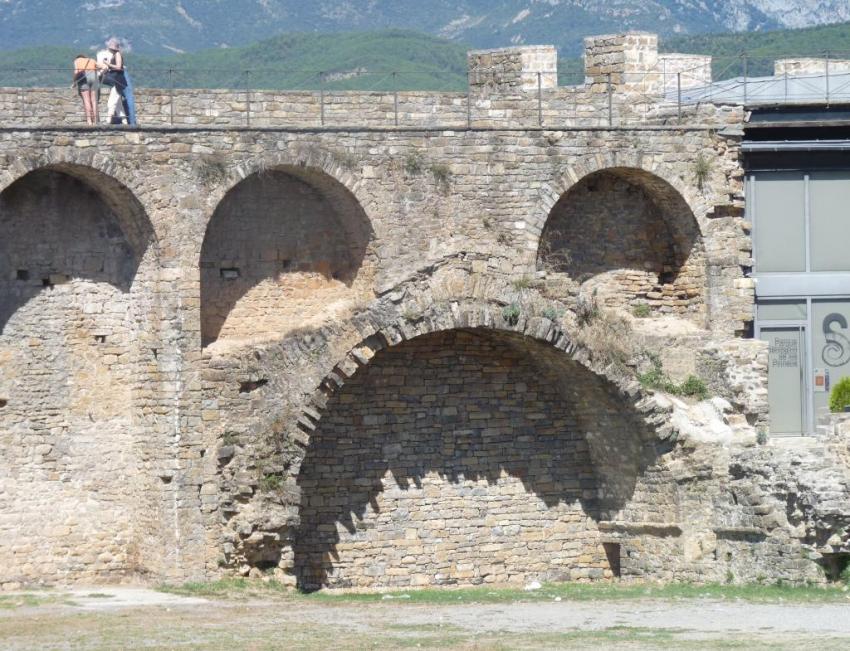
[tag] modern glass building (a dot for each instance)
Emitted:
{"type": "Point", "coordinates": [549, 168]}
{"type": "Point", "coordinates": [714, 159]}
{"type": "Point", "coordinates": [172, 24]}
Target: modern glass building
{"type": "Point", "coordinates": [797, 161]}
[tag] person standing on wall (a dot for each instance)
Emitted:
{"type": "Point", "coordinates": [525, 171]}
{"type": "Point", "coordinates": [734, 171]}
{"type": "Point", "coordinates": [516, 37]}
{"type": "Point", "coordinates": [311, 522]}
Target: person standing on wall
{"type": "Point", "coordinates": [115, 77]}
{"type": "Point", "coordinates": [87, 84]}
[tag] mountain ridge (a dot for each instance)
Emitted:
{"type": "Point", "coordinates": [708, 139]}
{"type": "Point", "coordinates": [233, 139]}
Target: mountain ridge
{"type": "Point", "coordinates": [174, 26]}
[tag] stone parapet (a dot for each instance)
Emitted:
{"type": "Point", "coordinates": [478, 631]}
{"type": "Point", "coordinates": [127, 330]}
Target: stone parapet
{"type": "Point", "coordinates": [513, 69]}
{"type": "Point", "coordinates": [580, 106]}
{"type": "Point", "coordinates": [684, 71]}
{"type": "Point", "coordinates": [809, 66]}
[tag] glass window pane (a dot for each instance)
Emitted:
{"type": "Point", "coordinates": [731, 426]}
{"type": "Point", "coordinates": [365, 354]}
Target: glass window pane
{"type": "Point", "coordinates": [829, 196]}
{"type": "Point", "coordinates": [779, 230]}
{"type": "Point", "coordinates": [830, 345]}
{"type": "Point", "coordinates": [782, 311]}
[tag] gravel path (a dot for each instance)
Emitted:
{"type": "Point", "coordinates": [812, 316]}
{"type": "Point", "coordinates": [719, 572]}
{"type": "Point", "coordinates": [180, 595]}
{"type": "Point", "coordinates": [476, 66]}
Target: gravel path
{"type": "Point", "coordinates": [129, 618]}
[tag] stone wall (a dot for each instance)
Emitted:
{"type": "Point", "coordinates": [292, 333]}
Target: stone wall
{"type": "Point", "coordinates": [514, 69]}
{"type": "Point", "coordinates": [350, 277]}
{"type": "Point", "coordinates": [76, 280]}
{"type": "Point", "coordinates": [278, 254]}
{"type": "Point", "coordinates": [628, 244]}
{"type": "Point", "coordinates": [450, 459]}
{"type": "Point", "coordinates": [387, 211]}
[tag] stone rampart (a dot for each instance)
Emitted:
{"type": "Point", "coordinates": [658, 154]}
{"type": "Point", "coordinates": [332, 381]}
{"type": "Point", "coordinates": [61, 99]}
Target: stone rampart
{"type": "Point", "coordinates": [210, 334]}
{"type": "Point", "coordinates": [508, 88]}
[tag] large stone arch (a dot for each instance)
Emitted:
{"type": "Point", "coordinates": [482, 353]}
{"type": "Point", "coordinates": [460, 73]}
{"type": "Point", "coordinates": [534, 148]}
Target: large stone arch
{"type": "Point", "coordinates": [288, 245]}
{"type": "Point", "coordinates": [606, 424]}
{"type": "Point", "coordinates": [631, 238]}
{"type": "Point", "coordinates": [78, 312]}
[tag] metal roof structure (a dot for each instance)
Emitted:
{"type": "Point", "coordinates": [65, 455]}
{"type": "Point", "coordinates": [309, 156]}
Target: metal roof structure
{"type": "Point", "coordinates": [771, 91]}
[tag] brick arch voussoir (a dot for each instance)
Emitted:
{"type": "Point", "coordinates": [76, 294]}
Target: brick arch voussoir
{"type": "Point", "coordinates": [454, 316]}
{"type": "Point", "coordinates": [310, 161]}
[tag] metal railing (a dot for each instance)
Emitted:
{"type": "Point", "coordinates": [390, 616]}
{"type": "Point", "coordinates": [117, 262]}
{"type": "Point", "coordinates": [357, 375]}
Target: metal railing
{"type": "Point", "coordinates": [617, 99]}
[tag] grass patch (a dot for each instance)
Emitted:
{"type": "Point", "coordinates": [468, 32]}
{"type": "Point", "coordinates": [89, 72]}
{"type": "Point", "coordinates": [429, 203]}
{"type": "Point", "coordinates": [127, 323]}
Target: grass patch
{"type": "Point", "coordinates": [598, 591]}
{"type": "Point", "coordinates": [641, 311]}
{"type": "Point", "coordinates": [228, 588]}
{"type": "Point", "coordinates": [754, 593]}
{"type": "Point", "coordinates": [32, 600]}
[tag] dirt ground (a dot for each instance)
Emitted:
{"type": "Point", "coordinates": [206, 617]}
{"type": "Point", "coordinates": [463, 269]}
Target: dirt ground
{"type": "Point", "coordinates": [137, 618]}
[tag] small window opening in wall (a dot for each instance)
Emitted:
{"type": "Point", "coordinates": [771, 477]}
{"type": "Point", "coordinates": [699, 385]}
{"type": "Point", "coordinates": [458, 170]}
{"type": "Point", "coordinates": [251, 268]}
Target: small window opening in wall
{"type": "Point", "coordinates": [55, 279]}
{"type": "Point", "coordinates": [3, 402]}
{"type": "Point", "coordinates": [23, 274]}
{"type": "Point", "coordinates": [286, 265]}
{"type": "Point", "coordinates": [612, 553]}
{"type": "Point", "coordinates": [251, 385]}
{"type": "Point", "coordinates": [155, 353]}
{"type": "Point", "coordinates": [836, 566]}
{"type": "Point", "coordinates": [101, 339]}
{"type": "Point", "coordinates": [229, 273]}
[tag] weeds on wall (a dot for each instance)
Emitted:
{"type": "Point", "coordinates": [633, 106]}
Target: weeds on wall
{"type": "Point", "coordinates": [413, 164]}
{"type": "Point", "coordinates": [552, 258]}
{"type": "Point", "coordinates": [587, 309]}
{"type": "Point", "coordinates": [702, 170]}
{"type": "Point", "coordinates": [641, 311]}
{"type": "Point", "coordinates": [271, 482]}
{"type": "Point", "coordinates": [839, 397]}
{"type": "Point", "coordinates": [657, 380]}
{"type": "Point", "coordinates": [523, 282]}
{"type": "Point", "coordinates": [210, 169]}
{"type": "Point", "coordinates": [442, 177]}
{"type": "Point", "coordinates": [511, 314]}
{"type": "Point", "coordinates": [606, 335]}
{"type": "Point", "coordinates": [552, 313]}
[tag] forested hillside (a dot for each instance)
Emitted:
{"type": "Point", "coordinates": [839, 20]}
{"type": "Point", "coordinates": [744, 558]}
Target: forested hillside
{"type": "Point", "coordinates": [390, 59]}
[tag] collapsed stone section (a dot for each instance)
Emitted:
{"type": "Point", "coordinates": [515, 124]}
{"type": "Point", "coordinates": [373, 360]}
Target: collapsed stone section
{"type": "Point", "coordinates": [467, 457]}
{"type": "Point", "coordinates": [630, 239]}
{"type": "Point", "coordinates": [284, 249]}
{"type": "Point", "coordinates": [75, 275]}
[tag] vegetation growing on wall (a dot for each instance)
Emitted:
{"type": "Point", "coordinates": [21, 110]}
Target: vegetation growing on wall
{"type": "Point", "coordinates": [839, 397]}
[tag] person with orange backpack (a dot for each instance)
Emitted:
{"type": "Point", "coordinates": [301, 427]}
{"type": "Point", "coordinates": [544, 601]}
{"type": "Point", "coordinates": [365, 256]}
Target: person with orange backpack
{"type": "Point", "coordinates": [87, 83]}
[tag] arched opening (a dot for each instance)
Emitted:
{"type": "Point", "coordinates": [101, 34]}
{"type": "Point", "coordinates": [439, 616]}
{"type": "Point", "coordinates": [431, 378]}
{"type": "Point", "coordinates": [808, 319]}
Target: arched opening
{"type": "Point", "coordinates": [285, 248]}
{"type": "Point", "coordinates": [628, 238]}
{"type": "Point", "coordinates": [464, 457]}
{"type": "Point", "coordinates": [77, 280]}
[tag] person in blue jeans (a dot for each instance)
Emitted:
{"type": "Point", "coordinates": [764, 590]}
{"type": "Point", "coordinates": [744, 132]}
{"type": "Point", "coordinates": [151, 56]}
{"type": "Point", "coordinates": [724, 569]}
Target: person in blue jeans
{"type": "Point", "coordinates": [115, 76]}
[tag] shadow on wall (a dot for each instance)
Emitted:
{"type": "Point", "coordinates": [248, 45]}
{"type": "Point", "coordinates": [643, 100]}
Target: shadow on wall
{"type": "Point", "coordinates": [631, 235]}
{"type": "Point", "coordinates": [56, 228]}
{"type": "Point", "coordinates": [280, 247]}
{"type": "Point", "coordinates": [462, 457]}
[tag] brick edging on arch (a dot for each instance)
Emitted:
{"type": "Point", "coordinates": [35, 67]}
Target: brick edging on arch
{"type": "Point", "coordinates": [454, 315]}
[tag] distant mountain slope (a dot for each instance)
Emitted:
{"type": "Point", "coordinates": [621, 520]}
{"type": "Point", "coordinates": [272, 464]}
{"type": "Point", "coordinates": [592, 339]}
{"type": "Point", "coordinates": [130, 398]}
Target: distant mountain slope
{"type": "Point", "coordinates": [763, 48]}
{"type": "Point", "coordinates": [162, 26]}
{"type": "Point", "coordinates": [359, 60]}
{"type": "Point", "coordinates": [366, 60]}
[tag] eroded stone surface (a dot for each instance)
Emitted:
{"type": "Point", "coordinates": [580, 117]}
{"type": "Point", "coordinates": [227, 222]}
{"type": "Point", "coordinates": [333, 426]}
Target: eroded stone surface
{"type": "Point", "coordinates": [413, 336]}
